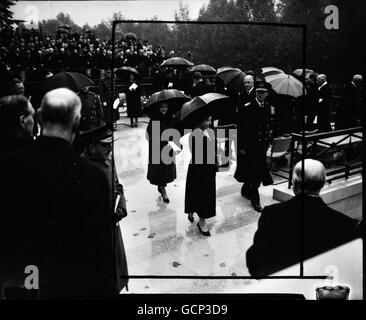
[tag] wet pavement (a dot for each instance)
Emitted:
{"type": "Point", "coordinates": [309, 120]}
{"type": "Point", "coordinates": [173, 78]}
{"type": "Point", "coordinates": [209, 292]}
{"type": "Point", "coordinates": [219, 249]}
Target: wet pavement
{"type": "Point", "coordinates": [158, 238]}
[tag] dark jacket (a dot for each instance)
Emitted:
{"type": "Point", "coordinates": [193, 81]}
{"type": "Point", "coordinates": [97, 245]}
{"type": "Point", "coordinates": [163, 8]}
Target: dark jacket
{"type": "Point", "coordinates": [324, 105]}
{"type": "Point", "coordinates": [346, 115]}
{"type": "Point", "coordinates": [91, 111]}
{"type": "Point", "coordinates": [200, 89]}
{"type": "Point", "coordinates": [276, 243]}
{"type": "Point", "coordinates": [56, 214]}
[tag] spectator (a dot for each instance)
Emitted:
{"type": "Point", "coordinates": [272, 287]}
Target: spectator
{"type": "Point", "coordinates": [199, 87]}
{"type": "Point", "coordinates": [347, 112]}
{"type": "Point", "coordinates": [62, 224]}
{"type": "Point", "coordinates": [324, 104]}
{"type": "Point", "coordinates": [16, 123]}
{"type": "Point", "coordinates": [276, 242]}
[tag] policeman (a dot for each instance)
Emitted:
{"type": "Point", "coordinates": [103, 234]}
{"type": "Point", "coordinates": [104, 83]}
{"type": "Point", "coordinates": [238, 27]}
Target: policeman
{"type": "Point", "coordinates": [253, 141]}
{"type": "Point", "coordinates": [91, 110]}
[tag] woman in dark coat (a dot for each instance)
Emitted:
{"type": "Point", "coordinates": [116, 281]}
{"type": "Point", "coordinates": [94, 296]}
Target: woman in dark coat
{"type": "Point", "coordinates": [161, 173]}
{"type": "Point", "coordinates": [133, 100]}
{"type": "Point", "coordinates": [200, 191]}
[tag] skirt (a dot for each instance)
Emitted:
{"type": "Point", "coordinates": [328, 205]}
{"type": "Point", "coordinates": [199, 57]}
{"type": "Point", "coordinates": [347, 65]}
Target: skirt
{"type": "Point", "coordinates": [200, 194]}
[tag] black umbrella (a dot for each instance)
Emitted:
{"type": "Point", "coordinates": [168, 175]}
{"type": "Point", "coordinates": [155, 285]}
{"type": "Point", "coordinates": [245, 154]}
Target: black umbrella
{"type": "Point", "coordinates": [203, 68]}
{"type": "Point", "coordinates": [176, 62]}
{"type": "Point", "coordinates": [232, 77]}
{"type": "Point", "coordinates": [194, 108]}
{"type": "Point", "coordinates": [174, 97]}
{"type": "Point", "coordinates": [121, 72]}
{"type": "Point", "coordinates": [72, 80]}
{"type": "Point", "coordinates": [130, 35]}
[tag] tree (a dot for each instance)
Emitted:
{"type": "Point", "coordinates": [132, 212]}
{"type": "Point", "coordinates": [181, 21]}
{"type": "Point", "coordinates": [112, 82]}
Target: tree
{"type": "Point", "coordinates": [6, 19]}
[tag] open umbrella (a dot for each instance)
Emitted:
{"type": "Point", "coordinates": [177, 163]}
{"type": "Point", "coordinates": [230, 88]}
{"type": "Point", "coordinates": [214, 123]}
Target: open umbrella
{"type": "Point", "coordinates": [193, 108]}
{"type": "Point", "coordinates": [176, 62]}
{"type": "Point", "coordinates": [286, 84]}
{"type": "Point", "coordinates": [298, 72]}
{"type": "Point", "coordinates": [203, 68]}
{"type": "Point", "coordinates": [125, 71]}
{"type": "Point", "coordinates": [72, 80]}
{"type": "Point", "coordinates": [130, 36]}
{"type": "Point", "coordinates": [269, 71]}
{"type": "Point", "coordinates": [174, 97]}
{"type": "Point", "coordinates": [232, 77]}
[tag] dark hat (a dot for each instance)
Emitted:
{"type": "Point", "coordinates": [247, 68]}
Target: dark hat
{"type": "Point", "coordinates": [197, 75]}
{"type": "Point", "coordinates": [101, 134]}
{"type": "Point", "coordinates": [261, 86]}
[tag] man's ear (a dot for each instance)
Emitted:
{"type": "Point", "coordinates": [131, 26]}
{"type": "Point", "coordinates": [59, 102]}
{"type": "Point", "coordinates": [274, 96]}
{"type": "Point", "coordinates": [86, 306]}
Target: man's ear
{"type": "Point", "coordinates": [22, 121]}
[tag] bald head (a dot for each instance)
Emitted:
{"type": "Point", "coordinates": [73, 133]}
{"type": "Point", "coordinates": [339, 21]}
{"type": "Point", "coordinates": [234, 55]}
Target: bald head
{"type": "Point", "coordinates": [60, 107]}
{"type": "Point", "coordinates": [314, 177]}
{"type": "Point", "coordinates": [357, 79]}
{"type": "Point", "coordinates": [248, 82]}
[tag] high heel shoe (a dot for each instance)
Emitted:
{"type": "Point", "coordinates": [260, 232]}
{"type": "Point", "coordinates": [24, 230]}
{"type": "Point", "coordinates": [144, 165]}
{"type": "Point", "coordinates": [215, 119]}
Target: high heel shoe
{"type": "Point", "coordinates": [190, 217]}
{"type": "Point", "coordinates": [166, 200]}
{"type": "Point", "coordinates": [205, 233]}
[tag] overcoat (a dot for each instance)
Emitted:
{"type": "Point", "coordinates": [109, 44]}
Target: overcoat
{"type": "Point", "coordinates": [253, 137]}
{"type": "Point", "coordinates": [200, 195]}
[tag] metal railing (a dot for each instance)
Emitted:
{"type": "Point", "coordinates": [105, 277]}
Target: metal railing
{"type": "Point", "coordinates": [340, 151]}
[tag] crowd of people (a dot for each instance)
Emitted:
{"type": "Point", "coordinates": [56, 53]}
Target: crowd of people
{"type": "Point", "coordinates": [55, 161]}
{"type": "Point", "coordinates": [32, 54]}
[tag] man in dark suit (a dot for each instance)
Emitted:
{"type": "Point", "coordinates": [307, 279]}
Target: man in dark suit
{"type": "Point", "coordinates": [347, 111]}
{"type": "Point", "coordinates": [56, 209]}
{"type": "Point", "coordinates": [324, 104]}
{"type": "Point", "coordinates": [199, 86]}
{"type": "Point", "coordinates": [276, 242]}
{"type": "Point", "coordinates": [249, 94]}
{"type": "Point", "coordinates": [252, 144]}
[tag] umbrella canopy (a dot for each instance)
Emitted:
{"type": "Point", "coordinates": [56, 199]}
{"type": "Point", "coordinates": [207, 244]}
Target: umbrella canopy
{"type": "Point", "coordinates": [224, 68]}
{"type": "Point", "coordinates": [176, 62]}
{"type": "Point", "coordinates": [123, 71]}
{"type": "Point", "coordinates": [72, 80]}
{"type": "Point", "coordinates": [130, 35]}
{"type": "Point", "coordinates": [286, 84]}
{"type": "Point", "coordinates": [269, 71]}
{"type": "Point", "coordinates": [192, 109]}
{"type": "Point", "coordinates": [203, 68]}
{"type": "Point", "coordinates": [298, 72]}
{"type": "Point", "coordinates": [174, 97]}
{"type": "Point", "coordinates": [232, 77]}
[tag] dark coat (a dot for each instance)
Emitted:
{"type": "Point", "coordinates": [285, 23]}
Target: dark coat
{"type": "Point", "coordinates": [105, 92]}
{"type": "Point", "coordinates": [91, 111]}
{"type": "Point", "coordinates": [276, 242]}
{"type": "Point", "coordinates": [253, 137]}
{"type": "Point", "coordinates": [160, 173]}
{"type": "Point", "coordinates": [121, 212]}
{"type": "Point", "coordinates": [133, 101]}
{"type": "Point", "coordinates": [200, 195]}
{"type": "Point", "coordinates": [56, 210]}
{"type": "Point", "coordinates": [346, 116]}
{"type": "Point", "coordinates": [200, 89]}
{"type": "Point", "coordinates": [324, 105]}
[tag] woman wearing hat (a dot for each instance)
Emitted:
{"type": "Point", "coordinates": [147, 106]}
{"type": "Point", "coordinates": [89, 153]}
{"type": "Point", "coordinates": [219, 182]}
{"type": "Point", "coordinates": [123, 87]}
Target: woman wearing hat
{"type": "Point", "coordinates": [200, 194]}
{"type": "Point", "coordinates": [160, 173]}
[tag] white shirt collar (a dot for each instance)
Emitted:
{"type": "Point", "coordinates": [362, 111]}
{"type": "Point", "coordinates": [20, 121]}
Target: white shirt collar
{"type": "Point", "coordinates": [323, 85]}
{"type": "Point", "coordinates": [259, 103]}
